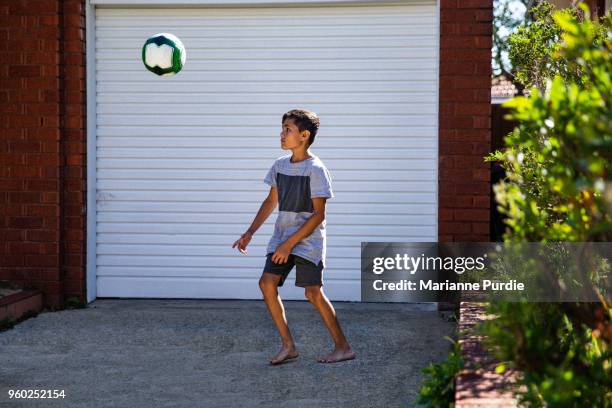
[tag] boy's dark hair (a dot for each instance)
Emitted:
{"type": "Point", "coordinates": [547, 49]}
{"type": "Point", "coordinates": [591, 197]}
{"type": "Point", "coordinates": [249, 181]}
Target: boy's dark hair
{"type": "Point", "coordinates": [304, 120]}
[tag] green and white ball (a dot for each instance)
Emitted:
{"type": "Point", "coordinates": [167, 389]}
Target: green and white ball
{"type": "Point", "coordinates": [164, 54]}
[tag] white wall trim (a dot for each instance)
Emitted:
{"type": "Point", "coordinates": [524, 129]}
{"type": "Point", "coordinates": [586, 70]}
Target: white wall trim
{"type": "Point", "coordinates": [435, 305]}
{"type": "Point", "coordinates": [90, 64]}
{"type": "Point", "coordinates": [248, 3]}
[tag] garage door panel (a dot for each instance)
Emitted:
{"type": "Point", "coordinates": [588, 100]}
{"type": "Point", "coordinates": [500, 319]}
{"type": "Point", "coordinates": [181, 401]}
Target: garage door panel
{"type": "Point", "coordinates": [309, 54]}
{"type": "Point", "coordinates": [196, 33]}
{"type": "Point", "coordinates": [254, 185]}
{"type": "Point", "coordinates": [168, 132]}
{"type": "Point", "coordinates": [218, 249]}
{"type": "Point", "coordinates": [352, 23]}
{"type": "Point", "coordinates": [237, 229]}
{"type": "Point", "coordinates": [384, 109]}
{"type": "Point", "coordinates": [324, 141]}
{"type": "Point", "coordinates": [245, 218]}
{"type": "Point", "coordinates": [345, 176]}
{"type": "Point", "coordinates": [259, 240]}
{"type": "Point", "coordinates": [251, 208]}
{"type": "Point", "coordinates": [223, 261]}
{"type": "Point", "coordinates": [262, 164]}
{"type": "Point", "coordinates": [344, 16]}
{"type": "Point", "coordinates": [207, 67]}
{"type": "Point", "coordinates": [251, 42]}
{"type": "Point", "coordinates": [245, 196]}
{"type": "Point", "coordinates": [211, 288]}
{"type": "Point", "coordinates": [333, 12]}
{"type": "Point", "coordinates": [228, 272]}
{"type": "Point", "coordinates": [209, 85]}
{"type": "Point", "coordinates": [288, 98]}
{"type": "Point", "coordinates": [260, 120]}
{"type": "Point", "coordinates": [253, 153]}
{"type": "Point", "coordinates": [181, 160]}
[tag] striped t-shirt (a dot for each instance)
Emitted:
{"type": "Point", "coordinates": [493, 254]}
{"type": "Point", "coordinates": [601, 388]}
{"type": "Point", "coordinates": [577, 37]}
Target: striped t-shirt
{"type": "Point", "coordinates": [297, 183]}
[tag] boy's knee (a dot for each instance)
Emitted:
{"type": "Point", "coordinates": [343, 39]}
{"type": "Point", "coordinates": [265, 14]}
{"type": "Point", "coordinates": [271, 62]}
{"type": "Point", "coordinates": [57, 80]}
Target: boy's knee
{"type": "Point", "coordinates": [313, 294]}
{"type": "Point", "coordinates": [267, 285]}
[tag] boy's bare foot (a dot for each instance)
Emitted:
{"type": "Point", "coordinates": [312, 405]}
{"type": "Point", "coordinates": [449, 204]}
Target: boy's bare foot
{"type": "Point", "coordinates": [339, 354]}
{"type": "Point", "coordinates": [285, 354]}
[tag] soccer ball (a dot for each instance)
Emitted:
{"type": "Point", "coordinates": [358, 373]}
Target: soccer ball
{"type": "Point", "coordinates": [164, 54]}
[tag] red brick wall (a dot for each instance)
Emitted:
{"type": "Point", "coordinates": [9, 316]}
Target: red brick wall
{"type": "Point", "coordinates": [465, 119]}
{"type": "Point", "coordinates": [42, 148]}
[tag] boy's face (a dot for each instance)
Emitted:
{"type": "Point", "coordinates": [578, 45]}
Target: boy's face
{"type": "Point", "coordinates": [291, 137]}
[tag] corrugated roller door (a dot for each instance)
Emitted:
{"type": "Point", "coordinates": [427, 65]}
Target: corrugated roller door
{"type": "Point", "coordinates": [180, 161]}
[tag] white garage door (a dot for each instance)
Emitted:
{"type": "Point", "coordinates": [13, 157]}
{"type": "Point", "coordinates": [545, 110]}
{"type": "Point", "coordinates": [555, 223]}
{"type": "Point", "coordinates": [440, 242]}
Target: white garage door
{"type": "Point", "coordinates": [181, 161]}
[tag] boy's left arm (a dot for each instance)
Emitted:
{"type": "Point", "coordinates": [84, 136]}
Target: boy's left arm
{"type": "Point", "coordinates": [283, 250]}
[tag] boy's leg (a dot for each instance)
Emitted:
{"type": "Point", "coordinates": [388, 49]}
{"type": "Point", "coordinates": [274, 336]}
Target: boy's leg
{"type": "Point", "coordinates": [310, 277]}
{"type": "Point", "coordinates": [268, 283]}
{"type": "Point", "coordinates": [342, 350]}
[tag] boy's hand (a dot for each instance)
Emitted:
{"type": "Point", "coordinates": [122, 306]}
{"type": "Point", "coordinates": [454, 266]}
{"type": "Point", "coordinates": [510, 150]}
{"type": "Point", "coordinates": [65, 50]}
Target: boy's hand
{"type": "Point", "coordinates": [281, 255]}
{"type": "Point", "coordinates": [243, 241]}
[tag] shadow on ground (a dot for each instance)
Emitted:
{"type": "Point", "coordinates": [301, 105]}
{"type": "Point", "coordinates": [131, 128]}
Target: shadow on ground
{"type": "Point", "coordinates": [214, 353]}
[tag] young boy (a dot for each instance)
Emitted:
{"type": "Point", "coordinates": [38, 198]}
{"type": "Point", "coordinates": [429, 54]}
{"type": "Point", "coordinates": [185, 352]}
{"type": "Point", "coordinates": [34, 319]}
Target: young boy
{"type": "Point", "coordinates": [300, 184]}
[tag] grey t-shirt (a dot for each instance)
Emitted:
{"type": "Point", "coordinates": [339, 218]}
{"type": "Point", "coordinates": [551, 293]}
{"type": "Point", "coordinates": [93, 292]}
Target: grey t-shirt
{"type": "Point", "coordinates": [297, 184]}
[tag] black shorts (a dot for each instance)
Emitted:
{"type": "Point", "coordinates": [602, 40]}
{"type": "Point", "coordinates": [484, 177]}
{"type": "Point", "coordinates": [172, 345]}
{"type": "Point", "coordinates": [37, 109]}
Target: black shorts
{"type": "Point", "coordinates": [306, 272]}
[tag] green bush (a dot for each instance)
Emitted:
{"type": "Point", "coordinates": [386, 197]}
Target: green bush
{"type": "Point", "coordinates": [558, 188]}
{"type": "Point", "coordinates": [557, 156]}
{"type": "Point", "coordinates": [563, 361]}
{"type": "Point", "coordinates": [438, 388]}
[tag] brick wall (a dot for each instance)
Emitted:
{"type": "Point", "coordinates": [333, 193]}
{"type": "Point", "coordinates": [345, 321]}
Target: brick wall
{"type": "Point", "coordinates": [42, 148]}
{"type": "Point", "coordinates": [465, 119]}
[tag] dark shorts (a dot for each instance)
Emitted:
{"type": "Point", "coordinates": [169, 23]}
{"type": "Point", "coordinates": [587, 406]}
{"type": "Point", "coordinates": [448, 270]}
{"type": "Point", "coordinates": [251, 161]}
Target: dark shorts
{"type": "Point", "coordinates": [306, 272]}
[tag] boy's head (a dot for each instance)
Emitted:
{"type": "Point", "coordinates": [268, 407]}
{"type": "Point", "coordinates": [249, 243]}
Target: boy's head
{"type": "Point", "coordinates": [299, 125]}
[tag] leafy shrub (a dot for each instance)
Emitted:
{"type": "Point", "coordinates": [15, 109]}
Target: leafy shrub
{"type": "Point", "coordinates": [558, 188]}
{"type": "Point", "coordinates": [438, 388]}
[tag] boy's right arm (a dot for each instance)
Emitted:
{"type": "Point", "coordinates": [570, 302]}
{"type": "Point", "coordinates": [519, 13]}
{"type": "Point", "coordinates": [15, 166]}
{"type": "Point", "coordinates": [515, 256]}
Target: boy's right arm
{"type": "Point", "coordinates": [266, 208]}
